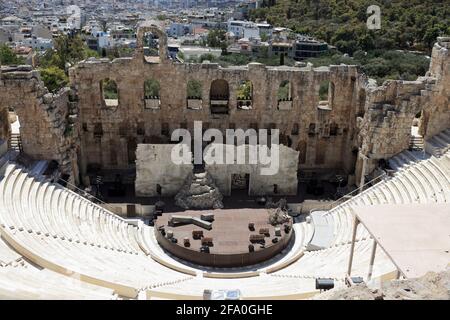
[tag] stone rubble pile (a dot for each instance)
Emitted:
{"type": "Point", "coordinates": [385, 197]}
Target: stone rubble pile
{"type": "Point", "coordinates": [199, 192]}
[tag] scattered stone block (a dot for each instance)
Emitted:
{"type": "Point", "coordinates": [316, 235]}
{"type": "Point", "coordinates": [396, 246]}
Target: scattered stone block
{"type": "Point", "coordinates": [207, 217]}
{"type": "Point", "coordinates": [207, 241]}
{"type": "Point", "coordinates": [278, 231]}
{"type": "Point", "coordinates": [197, 234]}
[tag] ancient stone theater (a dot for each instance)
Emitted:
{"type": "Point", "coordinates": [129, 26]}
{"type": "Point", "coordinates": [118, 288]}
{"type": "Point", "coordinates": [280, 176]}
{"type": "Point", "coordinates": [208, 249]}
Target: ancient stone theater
{"type": "Point", "coordinates": [92, 205]}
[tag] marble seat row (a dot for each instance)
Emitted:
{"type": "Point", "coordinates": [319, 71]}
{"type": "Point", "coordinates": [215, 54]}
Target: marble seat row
{"type": "Point", "coordinates": [416, 180]}
{"type": "Point", "coordinates": [52, 210]}
{"type": "Point", "coordinates": [58, 230]}
{"type": "Point", "coordinates": [438, 144]}
{"type": "Point", "coordinates": [333, 261]}
{"type": "Point", "coordinates": [29, 282]}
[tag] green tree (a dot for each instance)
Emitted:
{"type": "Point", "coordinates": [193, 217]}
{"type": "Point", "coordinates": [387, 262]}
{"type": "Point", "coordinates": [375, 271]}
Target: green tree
{"type": "Point", "coordinates": [414, 24]}
{"type": "Point", "coordinates": [194, 89]}
{"type": "Point", "coordinates": [264, 37]}
{"type": "Point", "coordinates": [54, 78]}
{"type": "Point", "coordinates": [244, 91]}
{"type": "Point", "coordinates": [110, 90]}
{"type": "Point", "coordinates": [67, 50]}
{"type": "Point", "coordinates": [151, 87]}
{"type": "Point", "coordinates": [207, 57]}
{"type": "Point", "coordinates": [216, 39]}
{"type": "Point", "coordinates": [8, 57]}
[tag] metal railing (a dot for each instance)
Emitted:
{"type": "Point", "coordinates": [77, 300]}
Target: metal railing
{"type": "Point", "coordinates": [86, 195]}
{"type": "Point", "coordinates": [108, 208]}
{"type": "Point", "coordinates": [350, 195]}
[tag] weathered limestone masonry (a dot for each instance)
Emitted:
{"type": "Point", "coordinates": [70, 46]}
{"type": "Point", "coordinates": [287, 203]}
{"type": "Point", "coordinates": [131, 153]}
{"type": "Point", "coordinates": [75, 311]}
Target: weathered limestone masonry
{"type": "Point", "coordinates": [437, 112]}
{"type": "Point", "coordinates": [325, 136]}
{"type": "Point", "coordinates": [154, 168]}
{"type": "Point", "coordinates": [47, 120]}
{"type": "Point", "coordinates": [285, 178]}
{"type": "Point", "coordinates": [357, 126]}
{"type": "Point", "coordinates": [385, 129]}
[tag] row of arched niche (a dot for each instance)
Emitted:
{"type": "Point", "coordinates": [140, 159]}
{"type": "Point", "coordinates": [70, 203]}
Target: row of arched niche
{"type": "Point", "coordinates": [219, 93]}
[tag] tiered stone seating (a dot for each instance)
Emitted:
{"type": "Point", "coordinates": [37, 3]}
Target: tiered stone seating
{"type": "Point", "coordinates": [59, 230]}
{"type": "Point", "coordinates": [8, 256]}
{"type": "Point", "coordinates": [68, 238]}
{"type": "Point", "coordinates": [264, 286]}
{"type": "Point", "coordinates": [416, 180]}
{"type": "Point", "coordinates": [332, 263]}
{"type": "Point", "coordinates": [147, 240]}
{"type": "Point", "coordinates": [28, 282]}
{"type": "Point", "coordinates": [438, 144]}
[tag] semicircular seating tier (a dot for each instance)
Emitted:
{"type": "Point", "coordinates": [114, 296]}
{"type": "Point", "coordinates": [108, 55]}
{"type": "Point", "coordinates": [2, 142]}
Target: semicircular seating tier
{"type": "Point", "coordinates": [53, 236]}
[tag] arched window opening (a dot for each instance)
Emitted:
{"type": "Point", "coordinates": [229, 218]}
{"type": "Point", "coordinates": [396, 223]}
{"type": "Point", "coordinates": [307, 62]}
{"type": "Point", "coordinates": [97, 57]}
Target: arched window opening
{"type": "Point", "coordinates": [219, 97]}
{"type": "Point", "coordinates": [151, 47]}
{"type": "Point", "coordinates": [151, 94]}
{"type": "Point", "coordinates": [284, 96]}
{"type": "Point", "coordinates": [194, 95]}
{"type": "Point", "coordinates": [416, 142]}
{"type": "Point", "coordinates": [326, 94]}
{"type": "Point", "coordinates": [110, 92]}
{"type": "Point", "coordinates": [245, 95]}
{"type": "Point", "coordinates": [10, 129]}
{"type": "Point", "coordinates": [324, 90]}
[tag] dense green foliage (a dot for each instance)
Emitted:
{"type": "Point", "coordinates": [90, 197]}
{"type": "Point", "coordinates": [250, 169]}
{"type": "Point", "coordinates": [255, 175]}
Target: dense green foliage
{"type": "Point", "coordinates": [412, 24]}
{"type": "Point", "coordinates": [68, 50]}
{"type": "Point", "coordinates": [110, 89]}
{"type": "Point", "coordinates": [238, 59]}
{"type": "Point", "coordinates": [405, 25]}
{"type": "Point", "coordinates": [244, 91]}
{"type": "Point", "coordinates": [323, 90]}
{"type": "Point", "coordinates": [151, 88]}
{"type": "Point", "coordinates": [194, 89]}
{"type": "Point", "coordinates": [117, 52]}
{"type": "Point", "coordinates": [8, 57]}
{"type": "Point", "coordinates": [217, 39]}
{"type": "Point", "coordinates": [379, 64]}
{"type": "Point", "coordinates": [284, 91]}
{"type": "Point", "coordinates": [54, 78]}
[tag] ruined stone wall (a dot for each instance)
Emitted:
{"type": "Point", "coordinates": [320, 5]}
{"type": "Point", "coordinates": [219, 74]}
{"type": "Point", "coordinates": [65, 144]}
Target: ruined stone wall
{"type": "Point", "coordinates": [358, 121]}
{"type": "Point", "coordinates": [153, 168]}
{"type": "Point", "coordinates": [285, 178]}
{"type": "Point", "coordinates": [437, 112]}
{"type": "Point", "coordinates": [5, 128]}
{"type": "Point", "coordinates": [47, 120]}
{"type": "Point", "coordinates": [106, 129]}
{"type": "Point", "coordinates": [385, 129]}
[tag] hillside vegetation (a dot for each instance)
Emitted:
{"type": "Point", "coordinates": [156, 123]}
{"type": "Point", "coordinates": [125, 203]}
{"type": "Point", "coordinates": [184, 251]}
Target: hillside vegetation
{"type": "Point", "coordinates": [383, 54]}
{"type": "Point", "coordinates": [410, 25]}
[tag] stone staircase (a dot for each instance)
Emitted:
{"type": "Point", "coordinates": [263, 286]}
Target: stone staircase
{"type": "Point", "coordinates": [16, 142]}
{"type": "Point", "coordinates": [439, 144]}
{"type": "Point", "coordinates": [416, 143]}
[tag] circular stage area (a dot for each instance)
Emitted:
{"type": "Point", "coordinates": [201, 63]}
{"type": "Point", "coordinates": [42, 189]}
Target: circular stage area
{"type": "Point", "coordinates": [222, 237]}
